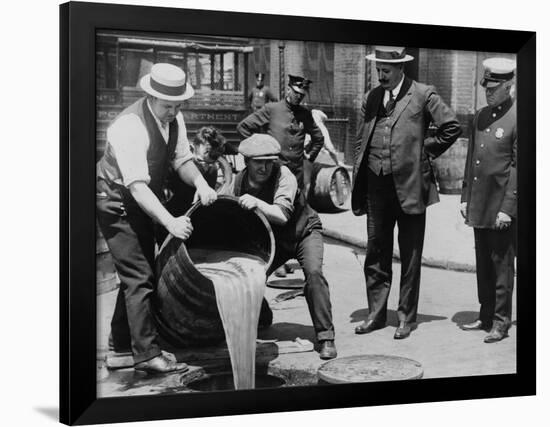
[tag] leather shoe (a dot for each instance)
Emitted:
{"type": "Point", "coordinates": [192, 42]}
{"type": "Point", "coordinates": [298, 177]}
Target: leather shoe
{"type": "Point", "coordinates": [368, 326]}
{"type": "Point", "coordinates": [477, 325]}
{"type": "Point", "coordinates": [328, 350]}
{"type": "Point", "coordinates": [402, 331]}
{"type": "Point", "coordinates": [496, 334]}
{"type": "Point", "coordinates": [160, 364]}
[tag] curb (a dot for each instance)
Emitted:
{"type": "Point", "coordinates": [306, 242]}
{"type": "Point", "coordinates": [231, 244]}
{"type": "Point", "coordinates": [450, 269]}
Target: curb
{"type": "Point", "coordinates": [428, 262]}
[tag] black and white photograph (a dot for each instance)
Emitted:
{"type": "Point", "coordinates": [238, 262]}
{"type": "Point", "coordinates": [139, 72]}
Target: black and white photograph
{"type": "Point", "coordinates": [292, 213]}
{"type": "Point", "coordinates": [315, 213]}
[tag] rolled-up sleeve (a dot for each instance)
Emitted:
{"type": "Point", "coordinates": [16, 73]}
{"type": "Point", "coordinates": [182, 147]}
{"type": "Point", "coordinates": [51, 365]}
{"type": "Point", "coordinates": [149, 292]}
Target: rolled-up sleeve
{"type": "Point", "coordinates": [285, 192]}
{"type": "Point", "coordinates": [183, 152]}
{"type": "Point", "coordinates": [130, 142]}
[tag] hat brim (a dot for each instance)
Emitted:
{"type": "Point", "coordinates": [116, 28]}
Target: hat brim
{"type": "Point", "coordinates": [489, 83]}
{"type": "Point", "coordinates": [145, 84]}
{"type": "Point", "coordinates": [298, 89]}
{"type": "Point", "coordinates": [372, 57]}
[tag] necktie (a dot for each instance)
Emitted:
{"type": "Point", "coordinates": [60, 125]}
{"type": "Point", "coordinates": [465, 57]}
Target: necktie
{"type": "Point", "coordinates": [390, 104]}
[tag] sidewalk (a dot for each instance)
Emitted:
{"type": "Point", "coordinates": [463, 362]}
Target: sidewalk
{"type": "Point", "coordinates": [448, 242]}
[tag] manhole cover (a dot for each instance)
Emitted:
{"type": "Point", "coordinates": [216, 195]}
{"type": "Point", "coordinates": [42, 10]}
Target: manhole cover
{"type": "Point", "coordinates": [369, 368]}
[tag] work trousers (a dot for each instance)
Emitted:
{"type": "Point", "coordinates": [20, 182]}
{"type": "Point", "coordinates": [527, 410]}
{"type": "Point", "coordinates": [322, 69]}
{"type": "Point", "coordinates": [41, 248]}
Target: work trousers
{"type": "Point", "coordinates": [495, 254]}
{"type": "Point", "coordinates": [131, 241]}
{"type": "Point", "coordinates": [383, 212]}
{"type": "Point", "coordinates": [309, 253]}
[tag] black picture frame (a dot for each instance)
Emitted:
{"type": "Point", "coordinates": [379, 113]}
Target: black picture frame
{"type": "Point", "coordinates": [78, 24]}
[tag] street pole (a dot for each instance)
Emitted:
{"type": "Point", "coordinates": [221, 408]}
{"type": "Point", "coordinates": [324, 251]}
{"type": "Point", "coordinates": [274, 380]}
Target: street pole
{"type": "Point", "coordinates": [281, 69]}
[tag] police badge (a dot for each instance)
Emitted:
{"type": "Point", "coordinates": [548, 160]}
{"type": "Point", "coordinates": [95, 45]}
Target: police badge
{"type": "Point", "coordinates": [499, 133]}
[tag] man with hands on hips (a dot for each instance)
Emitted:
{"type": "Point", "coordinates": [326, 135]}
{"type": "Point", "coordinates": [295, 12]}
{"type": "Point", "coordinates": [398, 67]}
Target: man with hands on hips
{"type": "Point", "coordinates": [489, 199]}
{"type": "Point", "coordinates": [142, 142]}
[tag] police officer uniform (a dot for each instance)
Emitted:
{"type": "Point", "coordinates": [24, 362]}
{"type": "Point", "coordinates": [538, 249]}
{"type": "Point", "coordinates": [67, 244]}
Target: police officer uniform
{"type": "Point", "coordinates": [288, 124]}
{"type": "Point", "coordinates": [260, 95]}
{"type": "Point", "coordinates": [490, 188]}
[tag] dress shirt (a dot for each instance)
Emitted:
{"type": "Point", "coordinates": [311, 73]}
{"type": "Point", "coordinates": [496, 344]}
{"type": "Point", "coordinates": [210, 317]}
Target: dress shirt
{"type": "Point", "coordinates": [129, 139]}
{"type": "Point", "coordinates": [394, 92]}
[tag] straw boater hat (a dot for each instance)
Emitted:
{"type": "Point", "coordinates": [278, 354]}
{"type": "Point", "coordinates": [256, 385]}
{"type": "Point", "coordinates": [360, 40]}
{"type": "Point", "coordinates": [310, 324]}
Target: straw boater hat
{"type": "Point", "coordinates": [497, 71]}
{"type": "Point", "coordinates": [390, 54]}
{"type": "Point", "coordinates": [260, 146]}
{"type": "Point", "coordinates": [167, 82]}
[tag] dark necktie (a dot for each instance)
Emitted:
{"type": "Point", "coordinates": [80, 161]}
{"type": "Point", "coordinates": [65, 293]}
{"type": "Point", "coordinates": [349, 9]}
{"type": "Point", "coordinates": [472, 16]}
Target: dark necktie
{"type": "Point", "coordinates": [390, 105]}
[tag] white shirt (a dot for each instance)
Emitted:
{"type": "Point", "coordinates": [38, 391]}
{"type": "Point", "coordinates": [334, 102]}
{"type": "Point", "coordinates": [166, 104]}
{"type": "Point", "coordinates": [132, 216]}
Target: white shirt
{"type": "Point", "coordinates": [395, 91]}
{"type": "Point", "coordinates": [129, 139]}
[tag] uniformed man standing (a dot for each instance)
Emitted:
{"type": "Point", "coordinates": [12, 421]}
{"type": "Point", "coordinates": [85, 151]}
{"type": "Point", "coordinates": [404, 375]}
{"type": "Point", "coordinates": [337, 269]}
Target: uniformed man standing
{"type": "Point", "coordinates": [489, 198]}
{"type": "Point", "coordinates": [288, 122]}
{"type": "Point", "coordinates": [142, 142]}
{"type": "Point", "coordinates": [260, 95]}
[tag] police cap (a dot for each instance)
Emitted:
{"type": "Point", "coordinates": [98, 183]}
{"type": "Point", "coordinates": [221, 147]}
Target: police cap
{"type": "Point", "coordinates": [298, 83]}
{"type": "Point", "coordinates": [497, 71]}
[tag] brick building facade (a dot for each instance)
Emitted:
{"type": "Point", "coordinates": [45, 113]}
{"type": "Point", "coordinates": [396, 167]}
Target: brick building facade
{"type": "Point", "coordinates": [338, 90]}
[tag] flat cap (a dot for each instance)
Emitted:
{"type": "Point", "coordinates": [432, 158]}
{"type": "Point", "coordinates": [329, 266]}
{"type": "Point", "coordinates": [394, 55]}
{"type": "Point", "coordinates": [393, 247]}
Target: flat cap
{"type": "Point", "coordinates": [260, 146]}
{"type": "Point", "coordinates": [497, 71]}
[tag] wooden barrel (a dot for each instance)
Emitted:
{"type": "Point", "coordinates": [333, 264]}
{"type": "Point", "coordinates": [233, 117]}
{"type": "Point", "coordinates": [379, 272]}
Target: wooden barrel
{"type": "Point", "coordinates": [106, 277]}
{"type": "Point", "coordinates": [449, 167]}
{"type": "Point", "coordinates": [184, 304]}
{"type": "Point", "coordinates": [330, 188]}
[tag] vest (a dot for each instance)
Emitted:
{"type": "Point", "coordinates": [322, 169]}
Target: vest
{"type": "Point", "coordinates": [302, 221]}
{"type": "Point", "coordinates": [379, 158]}
{"type": "Point", "coordinates": [159, 155]}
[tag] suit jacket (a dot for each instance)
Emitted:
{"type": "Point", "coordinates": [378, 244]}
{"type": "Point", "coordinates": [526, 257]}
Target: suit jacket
{"type": "Point", "coordinates": [490, 180]}
{"type": "Point", "coordinates": [417, 105]}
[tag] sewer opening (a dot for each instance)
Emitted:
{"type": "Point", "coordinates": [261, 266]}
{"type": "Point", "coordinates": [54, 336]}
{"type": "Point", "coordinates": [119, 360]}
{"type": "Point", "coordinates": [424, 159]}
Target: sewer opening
{"type": "Point", "coordinates": [224, 381]}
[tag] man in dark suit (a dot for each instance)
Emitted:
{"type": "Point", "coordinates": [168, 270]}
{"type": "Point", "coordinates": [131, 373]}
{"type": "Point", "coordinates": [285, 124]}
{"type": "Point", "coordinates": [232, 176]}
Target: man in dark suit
{"type": "Point", "coordinates": [489, 199]}
{"type": "Point", "coordinates": [393, 181]}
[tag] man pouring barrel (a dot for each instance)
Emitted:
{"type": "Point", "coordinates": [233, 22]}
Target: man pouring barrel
{"type": "Point", "coordinates": [142, 142]}
{"type": "Point", "coordinates": [272, 188]}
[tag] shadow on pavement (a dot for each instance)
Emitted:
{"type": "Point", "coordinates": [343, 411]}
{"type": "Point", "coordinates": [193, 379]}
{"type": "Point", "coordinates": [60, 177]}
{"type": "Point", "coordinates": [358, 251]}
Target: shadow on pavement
{"type": "Point", "coordinates": [285, 331]}
{"type": "Point", "coordinates": [362, 314]}
{"type": "Point", "coordinates": [463, 317]}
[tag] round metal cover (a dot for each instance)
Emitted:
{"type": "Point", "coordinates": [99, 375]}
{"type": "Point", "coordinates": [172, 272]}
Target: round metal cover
{"type": "Point", "coordinates": [369, 368]}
